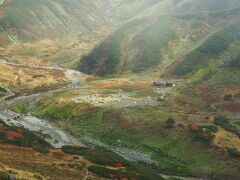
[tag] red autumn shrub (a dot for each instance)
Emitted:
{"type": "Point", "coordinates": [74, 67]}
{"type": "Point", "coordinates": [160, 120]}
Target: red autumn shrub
{"type": "Point", "coordinates": [58, 153]}
{"type": "Point", "coordinates": [118, 165]}
{"type": "Point", "coordinates": [230, 106]}
{"type": "Point", "coordinates": [11, 135]}
{"type": "Point", "coordinates": [194, 127]}
{"type": "Point", "coordinates": [2, 128]}
{"type": "Point", "coordinates": [57, 74]}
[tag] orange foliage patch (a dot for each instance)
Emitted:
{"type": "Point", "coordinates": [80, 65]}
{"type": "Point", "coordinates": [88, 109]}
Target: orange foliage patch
{"type": "Point", "coordinates": [2, 13]}
{"type": "Point", "coordinates": [194, 127]}
{"type": "Point", "coordinates": [75, 93]}
{"type": "Point", "coordinates": [57, 74]}
{"type": "Point", "coordinates": [119, 165]}
{"type": "Point", "coordinates": [2, 128]}
{"type": "Point", "coordinates": [16, 148]}
{"type": "Point", "coordinates": [11, 135]}
{"type": "Point", "coordinates": [58, 152]}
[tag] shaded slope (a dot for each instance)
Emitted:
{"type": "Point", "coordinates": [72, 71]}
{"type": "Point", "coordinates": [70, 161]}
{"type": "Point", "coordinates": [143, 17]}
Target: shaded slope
{"type": "Point", "coordinates": [137, 50]}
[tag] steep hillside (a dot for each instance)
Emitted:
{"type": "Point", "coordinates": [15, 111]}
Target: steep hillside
{"type": "Point", "coordinates": [122, 10]}
{"type": "Point", "coordinates": [122, 121]}
{"type": "Point", "coordinates": [33, 20]}
{"type": "Point", "coordinates": [211, 76]}
{"type": "Point", "coordinates": [59, 32]}
{"type": "Point", "coordinates": [234, 62]}
{"type": "Point", "coordinates": [158, 35]}
{"type": "Point", "coordinates": [211, 49]}
{"type": "Point", "coordinates": [137, 49]}
{"type": "Point", "coordinates": [190, 6]}
{"type": "Point", "coordinates": [48, 30]}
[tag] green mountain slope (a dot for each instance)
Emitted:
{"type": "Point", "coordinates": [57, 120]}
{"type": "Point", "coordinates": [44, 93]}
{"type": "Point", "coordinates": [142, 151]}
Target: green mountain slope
{"type": "Point", "coordinates": [189, 131]}
{"type": "Point", "coordinates": [120, 51]}
{"type": "Point", "coordinates": [210, 49]}
{"type": "Point", "coordinates": [59, 32]}
{"type": "Point", "coordinates": [158, 35]}
{"type": "Point", "coordinates": [122, 10]}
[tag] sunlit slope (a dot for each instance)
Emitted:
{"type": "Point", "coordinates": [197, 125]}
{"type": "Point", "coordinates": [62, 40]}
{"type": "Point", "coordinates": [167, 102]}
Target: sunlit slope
{"type": "Point", "coordinates": [27, 19]}
{"type": "Point", "coordinates": [48, 31]}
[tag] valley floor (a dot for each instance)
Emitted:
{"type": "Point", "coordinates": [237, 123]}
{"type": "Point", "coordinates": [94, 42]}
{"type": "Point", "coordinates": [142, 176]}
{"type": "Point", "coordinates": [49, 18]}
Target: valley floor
{"type": "Point", "coordinates": [133, 119]}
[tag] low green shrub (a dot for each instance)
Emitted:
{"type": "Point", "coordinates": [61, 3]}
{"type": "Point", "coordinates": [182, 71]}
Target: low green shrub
{"type": "Point", "coordinates": [170, 122]}
{"type": "Point", "coordinates": [104, 172]}
{"type": "Point", "coordinates": [226, 124]}
{"type": "Point", "coordinates": [4, 175]}
{"type": "Point", "coordinates": [97, 155]}
{"type": "Point", "coordinates": [3, 90]}
{"type": "Point", "coordinates": [199, 134]}
{"type": "Point", "coordinates": [228, 97]}
{"type": "Point", "coordinates": [234, 62]}
{"type": "Point", "coordinates": [38, 76]}
{"type": "Point", "coordinates": [234, 153]}
{"type": "Point", "coordinates": [211, 128]}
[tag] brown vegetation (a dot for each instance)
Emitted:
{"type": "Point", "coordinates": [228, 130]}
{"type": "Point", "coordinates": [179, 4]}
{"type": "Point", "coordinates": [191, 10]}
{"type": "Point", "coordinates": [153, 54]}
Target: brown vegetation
{"type": "Point", "coordinates": [24, 79]}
